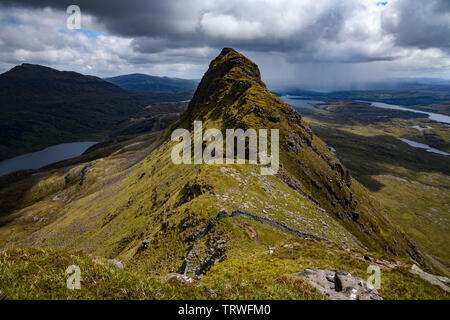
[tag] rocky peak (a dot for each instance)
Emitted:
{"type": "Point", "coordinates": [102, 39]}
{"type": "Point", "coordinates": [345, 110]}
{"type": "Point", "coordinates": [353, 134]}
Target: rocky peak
{"type": "Point", "coordinates": [231, 94]}
{"type": "Point", "coordinates": [229, 75]}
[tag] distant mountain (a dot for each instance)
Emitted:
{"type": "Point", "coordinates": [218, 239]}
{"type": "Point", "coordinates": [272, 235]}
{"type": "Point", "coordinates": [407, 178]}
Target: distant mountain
{"type": "Point", "coordinates": [41, 106]}
{"type": "Point", "coordinates": [146, 83]}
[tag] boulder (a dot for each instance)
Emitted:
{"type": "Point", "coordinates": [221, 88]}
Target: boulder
{"type": "Point", "coordinates": [116, 263]}
{"type": "Point", "coordinates": [180, 277]}
{"type": "Point", "coordinates": [339, 285]}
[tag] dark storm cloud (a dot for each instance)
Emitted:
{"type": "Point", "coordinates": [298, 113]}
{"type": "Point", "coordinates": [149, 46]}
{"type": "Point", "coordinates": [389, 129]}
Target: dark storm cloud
{"type": "Point", "coordinates": [422, 24]}
{"type": "Point", "coordinates": [132, 18]}
{"type": "Point", "coordinates": [404, 36]}
{"type": "Point", "coordinates": [171, 24]}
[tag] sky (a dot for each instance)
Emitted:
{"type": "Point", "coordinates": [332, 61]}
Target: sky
{"type": "Point", "coordinates": [309, 44]}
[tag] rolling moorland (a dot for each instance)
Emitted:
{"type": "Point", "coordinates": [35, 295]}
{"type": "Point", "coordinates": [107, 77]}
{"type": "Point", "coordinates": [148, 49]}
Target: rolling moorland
{"type": "Point", "coordinates": [412, 183]}
{"type": "Point", "coordinates": [206, 231]}
{"type": "Point", "coordinates": [420, 96]}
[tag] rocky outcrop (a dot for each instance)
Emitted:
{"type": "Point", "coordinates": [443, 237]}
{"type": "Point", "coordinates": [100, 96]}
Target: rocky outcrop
{"type": "Point", "coordinates": [339, 285]}
{"type": "Point", "coordinates": [84, 172]}
{"type": "Point", "coordinates": [436, 280]}
{"type": "Point", "coordinates": [278, 225]}
{"type": "Point", "coordinates": [209, 225]}
{"type": "Point", "coordinates": [214, 254]}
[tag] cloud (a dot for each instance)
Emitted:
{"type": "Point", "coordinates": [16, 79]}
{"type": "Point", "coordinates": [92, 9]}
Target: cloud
{"type": "Point", "coordinates": [349, 41]}
{"type": "Point", "coordinates": [420, 24]}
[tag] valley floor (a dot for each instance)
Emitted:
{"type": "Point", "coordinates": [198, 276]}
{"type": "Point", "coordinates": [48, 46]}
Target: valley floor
{"type": "Point", "coordinates": [413, 184]}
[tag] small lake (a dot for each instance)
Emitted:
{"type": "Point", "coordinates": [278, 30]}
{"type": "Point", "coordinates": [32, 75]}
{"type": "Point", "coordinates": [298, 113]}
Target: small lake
{"type": "Point", "coordinates": [300, 102]}
{"type": "Point", "coordinates": [433, 116]}
{"type": "Point", "coordinates": [424, 146]}
{"type": "Point", "coordinates": [38, 159]}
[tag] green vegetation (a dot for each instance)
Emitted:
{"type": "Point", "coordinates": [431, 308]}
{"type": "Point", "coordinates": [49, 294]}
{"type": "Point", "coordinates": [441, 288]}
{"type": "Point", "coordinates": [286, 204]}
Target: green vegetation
{"type": "Point", "coordinates": [251, 271]}
{"type": "Point", "coordinates": [126, 200]}
{"type": "Point", "coordinates": [41, 107]}
{"type": "Point", "coordinates": [40, 274]}
{"type": "Point", "coordinates": [411, 183]}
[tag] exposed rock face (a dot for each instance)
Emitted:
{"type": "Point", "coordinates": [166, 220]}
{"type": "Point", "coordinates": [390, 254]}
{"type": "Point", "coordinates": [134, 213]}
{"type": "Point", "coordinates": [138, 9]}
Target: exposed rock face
{"type": "Point", "coordinates": [278, 225]}
{"type": "Point", "coordinates": [436, 280]}
{"type": "Point", "coordinates": [214, 254]}
{"type": "Point", "coordinates": [339, 285]}
{"type": "Point", "coordinates": [209, 225]}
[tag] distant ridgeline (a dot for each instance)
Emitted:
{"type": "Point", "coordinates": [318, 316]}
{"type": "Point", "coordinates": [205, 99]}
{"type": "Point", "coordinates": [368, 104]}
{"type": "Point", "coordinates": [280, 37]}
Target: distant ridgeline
{"type": "Point", "coordinates": [41, 106]}
{"type": "Point", "coordinates": [146, 83]}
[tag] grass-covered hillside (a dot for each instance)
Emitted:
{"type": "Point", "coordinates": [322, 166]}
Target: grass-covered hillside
{"type": "Point", "coordinates": [41, 106]}
{"type": "Point", "coordinates": [231, 231]}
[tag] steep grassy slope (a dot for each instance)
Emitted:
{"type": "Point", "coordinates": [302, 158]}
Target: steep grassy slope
{"type": "Point", "coordinates": [232, 95]}
{"type": "Point", "coordinates": [40, 274]}
{"type": "Point", "coordinates": [135, 205]}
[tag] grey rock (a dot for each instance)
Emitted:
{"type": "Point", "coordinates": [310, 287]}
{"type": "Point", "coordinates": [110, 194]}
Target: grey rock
{"type": "Point", "coordinates": [444, 279]}
{"type": "Point", "coordinates": [116, 263]}
{"type": "Point", "coordinates": [386, 264]}
{"type": "Point", "coordinates": [180, 277]}
{"type": "Point", "coordinates": [146, 243]}
{"type": "Point", "coordinates": [339, 285]}
{"type": "Point", "coordinates": [430, 278]}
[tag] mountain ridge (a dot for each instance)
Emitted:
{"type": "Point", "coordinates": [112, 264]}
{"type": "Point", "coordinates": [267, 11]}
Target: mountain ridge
{"type": "Point", "coordinates": [41, 106]}
{"type": "Point", "coordinates": [233, 90]}
{"type": "Point", "coordinates": [152, 84]}
{"type": "Point", "coordinates": [241, 233]}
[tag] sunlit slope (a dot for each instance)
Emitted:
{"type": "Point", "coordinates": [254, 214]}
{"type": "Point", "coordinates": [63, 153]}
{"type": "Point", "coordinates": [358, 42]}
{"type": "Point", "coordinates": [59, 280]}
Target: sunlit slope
{"type": "Point", "coordinates": [232, 95]}
{"type": "Point", "coordinates": [135, 205]}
